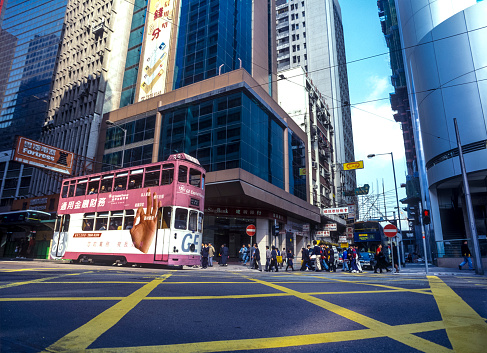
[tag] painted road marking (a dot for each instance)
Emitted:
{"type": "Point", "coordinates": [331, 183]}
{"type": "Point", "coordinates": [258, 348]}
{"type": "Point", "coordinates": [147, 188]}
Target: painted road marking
{"type": "Point", "coordinates": [273, 342]}
{"type": "Point", "coordinates": [82, 337]}
{"type": "Point", "coordinates": [40, 280]}
{"type": "Point", "coordinates": [381, 328]}
{"type": "Point", "coordinates": [472, 336]}
{"type": "Point", "coordinates": [201, 297]}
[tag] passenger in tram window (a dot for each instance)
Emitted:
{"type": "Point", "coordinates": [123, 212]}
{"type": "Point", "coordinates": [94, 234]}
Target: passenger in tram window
{"type": "Point", "coordinates": [87, 224]}
{"type": "Point", "coordinates": [132, 184]}
{"type": "Point", "coordinates": [119, 187]}
{"type": "Point", "coordinates": [102, 224]}
{"type": "Point", "coordinates": [92, 191]}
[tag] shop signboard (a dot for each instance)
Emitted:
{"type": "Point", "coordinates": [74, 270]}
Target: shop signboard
{"type": "Point", "coordinates": [43, 156]}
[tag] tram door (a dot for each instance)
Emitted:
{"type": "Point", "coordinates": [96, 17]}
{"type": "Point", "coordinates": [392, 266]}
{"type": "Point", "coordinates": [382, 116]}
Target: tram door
{"type": "Point", "coordinates": [60, 237]}
{"type": "Point", "coordinates": [163, 234]}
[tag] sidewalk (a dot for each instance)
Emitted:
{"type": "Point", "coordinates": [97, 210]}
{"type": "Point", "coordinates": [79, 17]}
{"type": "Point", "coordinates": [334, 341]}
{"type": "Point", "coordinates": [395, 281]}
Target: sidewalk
{"type": "Point", "coordinates": [420, 270]}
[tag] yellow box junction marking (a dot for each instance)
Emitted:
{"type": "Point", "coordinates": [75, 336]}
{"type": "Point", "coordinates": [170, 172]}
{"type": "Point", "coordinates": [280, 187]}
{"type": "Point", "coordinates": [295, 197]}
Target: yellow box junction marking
{"type": "Point", "coordinates": [82, 337]}
{"type": "Point", "coordinates": [377, 326]}
{"type": "Point", "coordinates": [472, 335]}
{"type": "Point", "coordinates": [40, 280]}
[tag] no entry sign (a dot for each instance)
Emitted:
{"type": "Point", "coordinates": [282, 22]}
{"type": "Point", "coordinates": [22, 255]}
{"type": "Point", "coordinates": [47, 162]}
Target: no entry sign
{"type": "Point", "coordinates": [250, 230]}
{"type": "Point", "coordinates": [390, 230]}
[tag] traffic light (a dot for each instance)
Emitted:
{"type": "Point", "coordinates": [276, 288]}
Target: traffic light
{"type": "Point", "coordinates": [426, 217]}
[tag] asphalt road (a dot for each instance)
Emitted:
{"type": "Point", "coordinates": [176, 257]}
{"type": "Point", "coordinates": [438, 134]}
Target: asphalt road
{"type": "Point", "coordinates": [57, 307]}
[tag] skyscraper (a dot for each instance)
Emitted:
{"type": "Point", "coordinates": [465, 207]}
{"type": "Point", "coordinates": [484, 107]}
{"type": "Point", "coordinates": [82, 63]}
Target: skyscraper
{"type": "Point", "coordinates": [310, 35]}
{"type": "Point", "coordinates": [29, 38]}
{"type": "Point", "coordinates": [89, 78]}
{"type": "Point", "coordinates": [444, 50]}
{"type": "Point", "coordinates": [207, 87]}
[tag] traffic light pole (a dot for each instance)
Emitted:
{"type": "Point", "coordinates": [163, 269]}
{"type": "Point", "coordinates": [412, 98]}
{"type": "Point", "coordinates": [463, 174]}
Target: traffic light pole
{"type": "Point", "coordinates": [424, 239]}
{"type": "Point", "coordinates": [471, 218]}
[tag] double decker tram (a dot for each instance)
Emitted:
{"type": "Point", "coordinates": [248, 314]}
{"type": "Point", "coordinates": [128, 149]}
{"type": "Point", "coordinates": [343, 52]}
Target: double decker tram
{"type": "Point", "coordinates": [150, 214]}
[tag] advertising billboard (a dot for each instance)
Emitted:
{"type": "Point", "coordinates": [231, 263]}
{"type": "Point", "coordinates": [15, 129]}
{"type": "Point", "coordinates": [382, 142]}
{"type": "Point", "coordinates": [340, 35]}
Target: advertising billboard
{"type": "Point", "coordinates": [154, 63]}
{"type": "Point", "coordinates": [43, 156]}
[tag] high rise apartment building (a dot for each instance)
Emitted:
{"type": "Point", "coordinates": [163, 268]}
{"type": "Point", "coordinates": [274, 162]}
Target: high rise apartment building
{"type": "Point", "coordinates": [30, 33]}
{"type": "Point", "coordinates": [400, 104]}
{"type": "Point", "coordinates": [310, 35]}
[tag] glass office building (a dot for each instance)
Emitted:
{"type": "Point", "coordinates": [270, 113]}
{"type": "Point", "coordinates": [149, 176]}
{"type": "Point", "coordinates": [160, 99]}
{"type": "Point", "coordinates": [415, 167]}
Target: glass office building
{"type": "Point", "coordinates": [133, 53]}
{"type": "Point", "coordinates": [215, 36]}
{"type": "Point", "coordinates": [30, 32]}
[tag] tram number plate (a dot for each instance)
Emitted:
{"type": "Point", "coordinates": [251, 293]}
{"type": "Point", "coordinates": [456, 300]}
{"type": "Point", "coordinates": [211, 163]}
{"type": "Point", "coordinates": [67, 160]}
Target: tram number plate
{"type": "Point", "coordinates": [195, 202]}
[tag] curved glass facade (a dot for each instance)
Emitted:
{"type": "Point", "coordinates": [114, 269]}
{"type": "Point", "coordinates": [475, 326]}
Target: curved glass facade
{"type": "Point", "coordinates": [446, 68]}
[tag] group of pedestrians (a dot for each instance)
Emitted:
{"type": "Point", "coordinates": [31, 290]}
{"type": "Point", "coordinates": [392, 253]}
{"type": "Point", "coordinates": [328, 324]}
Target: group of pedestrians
{"type": "Point", "coordinates": [320, 257]}
{"type": "Point", "coordinates": [207, 253]}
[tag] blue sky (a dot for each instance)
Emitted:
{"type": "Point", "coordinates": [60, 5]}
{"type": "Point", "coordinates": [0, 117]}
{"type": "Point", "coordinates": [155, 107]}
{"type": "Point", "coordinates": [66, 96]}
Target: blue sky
{"type": "Point", "coordinates": [375, 130]}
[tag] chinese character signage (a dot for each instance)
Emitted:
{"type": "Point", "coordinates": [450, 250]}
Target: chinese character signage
{"type": "Point", "coordinates": [331, 226]}
{"type": "Point", "coordinates": [339, 210]}
{"type": "Point", "coordinates": [43, 156]}
{"type": "Point", "coordinates": [153, 67]}
{"type": "Point", "coordinates": [322, 233]}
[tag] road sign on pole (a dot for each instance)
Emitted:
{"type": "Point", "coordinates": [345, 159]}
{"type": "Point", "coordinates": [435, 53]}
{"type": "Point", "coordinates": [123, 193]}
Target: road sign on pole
{"type": "Point", "coordinates": [390, 230]}
{"type": "Point", "coordinates": [250, 230]}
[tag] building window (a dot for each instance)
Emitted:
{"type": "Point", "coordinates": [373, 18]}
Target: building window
{"type": "Point", "coordinates": [294, 48]}
{"type": "Point", "coordinates": [304, 24]}
{"type": "Point", "coordinates": [294, 37]}
{"type": "Point", "coordinates": [294, 60]}
{"type": "Point", "coordinates": [297, 47]}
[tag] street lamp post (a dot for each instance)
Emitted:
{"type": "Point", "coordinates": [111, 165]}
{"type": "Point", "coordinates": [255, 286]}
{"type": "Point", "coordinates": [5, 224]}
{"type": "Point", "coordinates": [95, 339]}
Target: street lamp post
{"type": "Point", "coordinates": [397, 204]}
{"type": "Point", "coordinates": [111, 123]}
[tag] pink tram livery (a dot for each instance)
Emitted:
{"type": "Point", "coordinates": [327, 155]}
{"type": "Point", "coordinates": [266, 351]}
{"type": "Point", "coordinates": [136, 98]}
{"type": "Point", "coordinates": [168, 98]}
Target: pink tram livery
{"type": "Point", "coordinates": [149, 214]}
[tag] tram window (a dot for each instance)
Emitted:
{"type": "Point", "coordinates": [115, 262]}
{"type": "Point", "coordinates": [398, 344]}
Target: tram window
{"type": "Point", "coordinates": [121, 182]}
{"type": "Point", "coordinates": [102, 221]}
{"type": "Point", "coordinates": [167, 176]}
{"type": "Point", "coordinates": [65, 223]}
{"type": "Point", "coordinates": [136, 179]}
{"type": "Point", "coordinates": [88, 221]}
{"type": "Point", "coordinates": [151, 178]}
{"type": "Point", "coordinates": [200, 222]}
{"type": "Point", "coordinates": [81, 187]}
{"type": "Point", "coordinates": [93, 186]}
{"type": "Point", "coordinates": [64, 192]}
{"type": "Point", "coordinates": [129, 219]}
{"type": "Point", "coordinates": [106, 184]}
{"type": "Point", "coordinates": [193, 220]}
{"type": "Point", "coordinates": [164, 216]}
{"type": "Point", "coordinates": [71, 189]}
{"type": "Point", "coordinates": [181, 218]}
{"type": "Point", "coordinates": [116, 220]}
{"type": "Point", "coordinates": [58, 223]}
{"type": "Point", "coordinates": [195, 177]}
{"type": "Point", "coordinates": [183, 174]}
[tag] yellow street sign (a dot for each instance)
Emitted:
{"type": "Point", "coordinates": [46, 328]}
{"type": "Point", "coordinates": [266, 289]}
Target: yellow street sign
{"type": "Point", "coordinates": [353, 165]}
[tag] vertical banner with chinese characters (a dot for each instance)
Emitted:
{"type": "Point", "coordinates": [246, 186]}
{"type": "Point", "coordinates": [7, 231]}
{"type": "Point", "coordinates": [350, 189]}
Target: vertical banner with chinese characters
{"type": "Point", "coordinates": [153, 66]}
